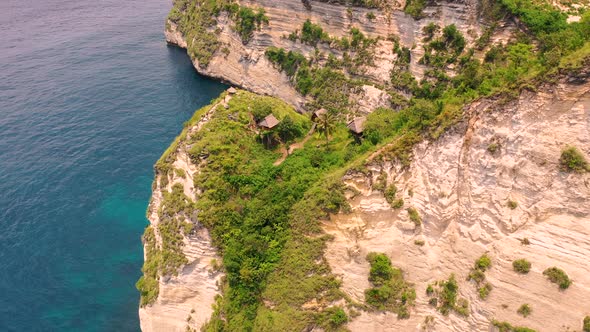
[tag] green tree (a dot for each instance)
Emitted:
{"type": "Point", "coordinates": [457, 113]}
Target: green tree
{"type": "Point", "coordinates": [325, 125]}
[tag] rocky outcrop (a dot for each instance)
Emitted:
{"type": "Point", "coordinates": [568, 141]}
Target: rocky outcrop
{"type": "Point", "coordinates": [185, 301]}
{"type": "Point", "coordinates": [461, 186]}
{"type": "Point", "coordinates": [246, 65]}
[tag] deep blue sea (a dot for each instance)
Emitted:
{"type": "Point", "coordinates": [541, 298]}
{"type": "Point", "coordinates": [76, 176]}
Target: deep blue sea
{"type": "Point", "coordinates": [90, 97]}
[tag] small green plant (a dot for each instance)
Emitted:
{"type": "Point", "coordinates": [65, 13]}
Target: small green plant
{"type": "Point", "coordinates": [558, 276]}
{"type": "Point", "coordinates": [398, 203]}
{"type": "Point", "coordinates": [512, 204]}
{"type": "Point", "coordinates": [493, 147]}
{"type": "Point", "coordinates": [371, 16]}
{"type": "Point", "coordinates": [390, 291]}
{"type": "Point", "coordinates": [521, 266]}
{"type": "Point", "coordinates": [586, 324]}
{"type": "Point", "coordinates": [507, 327]}
{"type": "Point", "coordinates": [572, 160]}
{"type": "Point", "coordinates": [484, 290]}
{"type": "Point", "coordinates": [445, 297]}
{"type": "Point", "coordinates": [414, 216]}
{"type": "Point", "coordinates": [338, 317]}
{"type": "Point", "coordinates": [483, 263]}
{"type": "Point", "coordinates": [524, 310]}
{"type": "Point", "coordinates": [477, 274]}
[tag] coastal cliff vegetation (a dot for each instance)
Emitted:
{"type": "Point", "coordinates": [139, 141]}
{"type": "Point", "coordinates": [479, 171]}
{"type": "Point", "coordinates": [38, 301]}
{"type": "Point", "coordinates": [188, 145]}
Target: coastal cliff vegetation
{"type": "Point", "coordinates": [265, 216]}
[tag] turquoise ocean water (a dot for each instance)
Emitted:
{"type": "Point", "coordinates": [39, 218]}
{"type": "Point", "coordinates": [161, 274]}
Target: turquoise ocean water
{"type": "Point", "coordinates": [90, 96]}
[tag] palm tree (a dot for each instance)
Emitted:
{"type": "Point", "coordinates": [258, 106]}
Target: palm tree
{"type": "Point", "coordinates": [326, 123]}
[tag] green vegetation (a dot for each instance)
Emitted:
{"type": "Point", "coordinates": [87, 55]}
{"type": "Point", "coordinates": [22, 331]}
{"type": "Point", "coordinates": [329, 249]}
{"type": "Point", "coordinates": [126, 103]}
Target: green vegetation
{"type": "Point", "coordinates": [312, 33]}
{"type": "Point", "coordinates": [484, 290]}
{"type": "Point", "coordinates": [390, 291]}
{"type": "Point", "coordinates": [558, 276]}
{"type": "Point", "coordinates": [445, 297]}
{"type": "Point", "coordinates": [586, 324]}
{"type": "Point", "coordinates": [483, 263]}
{"type": "Point", "coordinates": [390, 197]}
{"type": "Point", "coordinates": [197, 23]}
{"type": "Point", "coordinates": [247, 20]}
{"type": "Point", "coordinates": [414, 8]}
{"type": "Point", "coordinates": [521, 266]}
{"type": "Point", "coordinates": [414, 216]}
{"type": "Point", "coordinates": [507, 327]}
{"type": "Point", "coordinates": [572, 160]}
{"type": "Point", "coordinates": [477, 274]}
{"type": "Point", "coordinates": [524, 310]}
{"type": "Point", "coordinates": [167, 258]}
{"type": "Point", "coordinates": [512, 204]}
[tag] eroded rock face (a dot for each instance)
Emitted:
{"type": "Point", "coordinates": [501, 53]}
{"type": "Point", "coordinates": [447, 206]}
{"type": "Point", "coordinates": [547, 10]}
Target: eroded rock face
{"type": "Point", "coordinates": [192, 292]}
{"type": "Point", "coordinates": [461, 185]}
{"type": "Point", "coordinates": [246, 65]}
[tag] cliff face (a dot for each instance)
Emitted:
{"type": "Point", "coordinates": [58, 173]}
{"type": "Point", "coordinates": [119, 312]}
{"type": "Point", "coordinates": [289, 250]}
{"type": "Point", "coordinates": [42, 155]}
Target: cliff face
{"type": "Point", "coordinates": [184, 300]}
{"type": "Point", "coordinates": [246, 65]}
{"type": "Point", "coordinates": [462, 185]}
{"type": "Point", "coordinates": [484, 186]}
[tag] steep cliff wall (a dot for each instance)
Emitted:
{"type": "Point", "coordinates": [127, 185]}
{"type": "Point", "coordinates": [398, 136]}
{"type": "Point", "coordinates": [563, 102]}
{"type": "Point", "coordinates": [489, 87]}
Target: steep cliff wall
{"type": "Point", "coordinates": [462, 187]}
{"type": "Point", "coordinates": [184, 300]}
{"type": "Point", "coordinates": [246, 65]}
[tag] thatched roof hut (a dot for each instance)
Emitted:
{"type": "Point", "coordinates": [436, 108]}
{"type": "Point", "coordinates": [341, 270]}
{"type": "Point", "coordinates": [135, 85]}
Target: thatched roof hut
{"type": "Point", "coordinates": [268, 122]}
{"type": "Point", "coordinates": [318, 113]}
{"type": "Point", "coordinates": [357, 125]}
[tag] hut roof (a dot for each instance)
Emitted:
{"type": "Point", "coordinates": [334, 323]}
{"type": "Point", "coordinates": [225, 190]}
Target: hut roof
{"type": "Point", "coordinates": [268, 122]}
{"type": "Point", "coordinates": [232, 90]}
{"type": "Point", "coordinates": [357, 125]}
{"type": "Point", "coordinates": [319, 112]}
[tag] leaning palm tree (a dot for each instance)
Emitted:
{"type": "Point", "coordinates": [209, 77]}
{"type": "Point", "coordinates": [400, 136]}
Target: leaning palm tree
{"type": "Point", "coordinates": [326, 123]}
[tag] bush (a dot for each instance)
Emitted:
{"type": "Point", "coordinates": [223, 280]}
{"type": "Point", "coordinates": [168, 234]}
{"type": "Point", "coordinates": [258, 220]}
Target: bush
{"type": "Point", "coordinates": [524, 310]}
{"type": "Point", "coordinates": [483, 263]}
{"type": "Point", "coordinates": [558, 276]}
{"type": "Point", "coordinates": [586, 324]}
{"type": "Point", "coordinates": [389, 291]}
{"type": "Point", "coordinates": [414, 216]}
{"type": "Point", "coordinates": [484, 291]}
{"type": "Point", "coordinates": [414, 8]}
{"type": "Point", "coordinates": [572, 160]}
{"type": "Point", "coordinates": [381, 269]}
{"type": "Point", "coordinates": [507, 327]}
{"type": "Point", "coordinates": [521, 266]}
{"type": "Point", "coordinates": [512, 204]}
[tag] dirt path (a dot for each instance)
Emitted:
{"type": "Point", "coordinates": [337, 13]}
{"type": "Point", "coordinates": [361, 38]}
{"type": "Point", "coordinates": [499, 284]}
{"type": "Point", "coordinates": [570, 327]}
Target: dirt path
{"type": "Point", "coordinates": [286, 152]}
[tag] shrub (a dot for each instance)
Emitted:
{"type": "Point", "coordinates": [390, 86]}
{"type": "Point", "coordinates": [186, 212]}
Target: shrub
{"type": "Point", "coordinates": [524, 310]}
{"type": "Point", "coordinates": [414, 216]}
{"type": "Point", "coordinates": [493, 147]}
{"type": "Point", "coordinates": [389, 291]}
{"type": "Point", "coordinates": [338, 317]}
{"type": "Point", "coordinates": [381, 269]}
{"type": "Point", "coordinates": [572, 160]}
{"type": "Point", "coordinates": [507, 327]}
{"type": "Point", "coordinates": [371, 16]}
{"type": "Point", "coordinates": [484, 290]}
{"type": "Point", "coordinates": [414, 8]}
{"type": "Point", "coordinates": [558, 276]}
{"type": "Point", "coordinates": [389, 193]}
{"type": "Point", "coordinates": [512, 204]}
{"type": "Point", "coordinates": [419, 242]}
{"type": "Point", "coordinates": [586, 324]}
{"type": "Point", "coordinates": [521, 266]}
{"type": "Point", "coordinates": [525, 241]}
{"type": "Point", "coordinates": [483, 263]}
{"type": "Point", "coordinates": [398, 203]}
